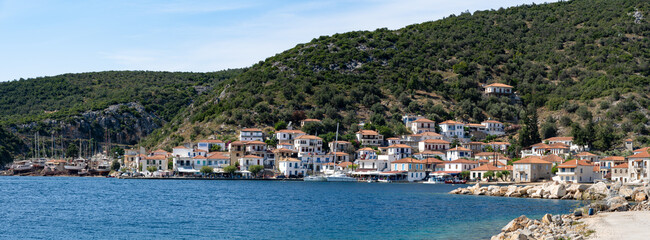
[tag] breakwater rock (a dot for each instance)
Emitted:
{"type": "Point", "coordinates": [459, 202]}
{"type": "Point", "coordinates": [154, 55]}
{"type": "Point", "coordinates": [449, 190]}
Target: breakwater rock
{"type": "Point", "coordinates": [558, 190]}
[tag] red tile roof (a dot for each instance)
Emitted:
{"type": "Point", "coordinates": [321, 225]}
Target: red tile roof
{"type": "Point", "coordinates": [251, 130]}
{"type": "Point", "coordinates": [487, 167]}
{"type": "Point", "coordinates": [312, 137]}
{"type": "Point", "coordinates": [574, 163]}
{"type": "Point", "coordinates": [559, 139]}
{"type": "Point", "coordinates": [407, 160]}
{"type": "Point", "coordinates": [423, 120]}
{"type": "Point", "coordinates": [368, 132]}
{"type": "Point", "coordinates": [623, 165]}
{"type": "Point", "coordinates": [499, 85]}
{"type": "Point", "coordinates": [449, 122]}
{"type": "Point", "coordinates": [531, 160]}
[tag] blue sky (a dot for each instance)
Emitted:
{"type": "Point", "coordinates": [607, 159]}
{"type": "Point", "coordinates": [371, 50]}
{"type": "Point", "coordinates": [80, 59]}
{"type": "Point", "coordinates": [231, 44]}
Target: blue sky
{"type": "Point", "coordinates": [45, 38]}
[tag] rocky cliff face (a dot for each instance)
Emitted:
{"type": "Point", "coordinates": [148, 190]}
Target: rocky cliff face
{"type": "Point", "coordinates": [121, 123]}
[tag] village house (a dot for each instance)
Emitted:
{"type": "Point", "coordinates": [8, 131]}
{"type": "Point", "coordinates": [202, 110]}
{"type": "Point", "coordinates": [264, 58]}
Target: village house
{"type": "Point", "coordinates": [475, 147]}
{"type": "Point", "coordinates": [433, 165]}
{"type": "Point", "coordinates": [621, 173]}
{"type": "Point", "coordinates": [340, 157]}
{"type": "Point", "coordinates": [282, 153]}
{"type": "Point", "coordinates": [458, 152]}
{"type": "Point", "coordinates": [498, 89]}
{"type": "Point", "coordinates": [398, 151]}
{"type": "Point", "coordinates": [393, 140]}
{"type": "Point", "coordinates": [236, 149]}
{"type": "Point", "coordinates": [588, 156]}
{"type": "Point", "coordinates": [288, 146]}
{"type": "Point", "coordinates": [629, 144]}
{"type": "Point", "coordinates": [158, 161]}
{"type": "Point", "coordinates": [370, 138]}
{"type": "Point", "coordinates": [413, 140]}
{"type": "Point", "coordinates": [554, 159]}
{"type": "Point", "coordinates": [308, 145]}
{"type": "Point", "coordinates": [460, 165]}
{"type": "Point", "coordinates": [340, 146]}
{"type": "Point", "coordinates": [208, 145]}
{"type": "Point", "coordinates": [452, 129]}
{"type": "Point", "coordinates": [368, 160]}
{"type": "Point", "coordinates": [408, 119]}
{"type": "Point", "coordinates": [413, 167]}
{"type": "Point", "coordinates": [288, 136]}
{"type": "Point", "coordinates": [531, 169]}
{"type": "Point", "coordinates": [182, 151]}
{"type": "Point", "coordinates": [577, 171]}
{"type": "Point", "coordinates": [478, 173]}
{"type": "Point", "coordinates": [257, 148]}
{"type": "Point", "coordinates": [247, 161]}
{"type": "Point", "coordinates": [612, 161]}
{"type": "Point", "coordinates": [493, 127]}
{"type": "Point", "coordinates": [433, 145]}
{"type": "Point", "coordinates": [423, 125]}
{"type": "Point", "coordinates": [638, 166]}
{"type": "Point", "coordinates": [251, 134]}
{"type": "Point", "coordinates": [567, 141]}
{"type": "Point", "coordinates": [498, 146]}
{"type": "Point", "coordinates": [291, 167]}
{"type": "Point", "coordinates": [429, 154]}
{"type": "Point", "coordinates": [218, 160]}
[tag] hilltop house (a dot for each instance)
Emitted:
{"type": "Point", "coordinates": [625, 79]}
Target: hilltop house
{"type": "Point", "coordinates": [493, 127]}
{"type": "Point", "coordinates": [251, 134]}
{"type": "Point", "coordinates": [452, 129]}
{"type": "Point", "coordinates": [309, 120]}
{"type": "Point", "coordinates": [370, 138]}
{"type": "Point", "coordinates": [423, 125]}
{"type": "Point", "coordinates": [567, 141]}
{"type": "Point", "coordinates": [207, 145]}
{"type": "Point", "coordinates": [498, 89]}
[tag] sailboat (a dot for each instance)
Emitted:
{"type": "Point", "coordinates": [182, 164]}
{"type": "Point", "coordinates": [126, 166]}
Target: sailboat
{"type": "Point", "coordinates": [338, 176]}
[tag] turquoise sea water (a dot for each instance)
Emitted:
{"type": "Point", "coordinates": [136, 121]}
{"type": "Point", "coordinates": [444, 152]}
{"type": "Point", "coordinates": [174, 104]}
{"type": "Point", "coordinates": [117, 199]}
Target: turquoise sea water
{"type": "Point", "coordinates": [100, 208]}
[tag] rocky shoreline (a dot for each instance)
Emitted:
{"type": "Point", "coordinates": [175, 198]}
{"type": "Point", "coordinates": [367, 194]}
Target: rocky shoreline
{"type": "Point", "coordinates": [570, 226]}
{"type": "Point", "coordinates": [558, 190]}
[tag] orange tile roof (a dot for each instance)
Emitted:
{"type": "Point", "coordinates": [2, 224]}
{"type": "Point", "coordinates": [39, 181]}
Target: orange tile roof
{"type": "Point", "coordinates": [160, 151]}
{"type": "Point", "coordinates": [430, 134]}
{"type": "Point", "coordinates": [344, 164]}
{"type": "Point", "coordinates": [200, 157]}
{"type": "Point", "coordinates": [289, 160]}
{"type": "Point", "coordinates": [629, 140]}
{"type": "Point", "coordinates": [366, 149]}
{"type": "Point", "coordinates": [393, 138]}
{"type": "Point", "coordinates": [643, 154]}
{"type": "Point", "coordinates": [553, 158]}
{"type": "Point", "coordinates": [238, 142]}
{"type": "Point", "coordinates": [399, 146]}
{"type": "Point", "coordinates": [531, 160]}
{"type": "Point", "coordinates": [338, 154]}
{"type": "Point", "coordinates": [585, 154]}
{"type": "Point", "coordinates": [211, 141]}
{"type": "Point", "coordinates": [488, 154]}
{"type": "Point", "coordinates": [312, 137]}
{"type": "Point", "coordinates": [251, 130]}
{"type": "Point", "coordinates": [290, 131]}
{"type": "Point", "coordinates": [180, 147]}
{"type": "Point", "coordinates": [423, 120]}
{"type": "Point", "coordinates": [645, 149]}
{"type": "Point", "coordinates": [559, 139]}
{"type": "Point", "coordinates": [498, 143]}
{"type": "Point", "coordinates": [491, 121]}
{"type": "Point", "coordinates": [449, 122]}
{"type": "Point", "coordinates": [459, 149]}
{"type": "Point", "coordinates": [341, 142]}
{"type": "Point", "coordinates": [475, 125]}
{"type": "Point", "coordinates": [499, 85]}
{"type": "Point", "coordinates": [283, 150]}
{"type": "Point", "coordinates": [429, 152]}
{"type": "Point", "coordinates": [432, 160]}
{"type": "Point", "coordinates": [623, 165]}
{"type": "Point", "coordinates": [218, 155]}
{"type": "Point", "coordinates": [251, 156]}
{"type": "Point", "coordinates": [439, 141]}
{"type": "Point", "coordinates": [255, 143]}
{"type": "Point", "coordinates": [574, 163]}
{"type": "Point", "coordinates": [156, 157]}
{"type": "Point", "coordinates": [614, 158]}
{"type": "Point", "coordinates": [368, 132]}
{"type": "Point", "coordinates": [407, 160]}
{"type": "Point", "coordinates": [487, 167]}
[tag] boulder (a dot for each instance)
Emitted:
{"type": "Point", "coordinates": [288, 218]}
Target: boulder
{"type": "Point", "coordinates": [626, 192]}
{"type": "Point", "coordinates": [598, 188]}
{"type": "Point", "coordinates": [616, 200]}
{"type": "Point", "coordinates": [557, 191]}
{"type": "Point", "coordinates": [510, 190]}
{"type": "Point", "coordinates": [547, 219]}
{"type": "Point", "coordinates": [524, 190]}
{"type": "Point", "coordinates": [640, 197]}
{"type": "Point", "coordinates": [619, 207]}
{"type": "Point", "coordinates": [537, 194]}
{"type": "Point", "coordinates": [577, 187]}
{"type": "Point", "coordinates": [518, 236]}
{"type": "Point", "coordinates": [517, 223]}
{"type": "Point", "coordinates": [503, 190]}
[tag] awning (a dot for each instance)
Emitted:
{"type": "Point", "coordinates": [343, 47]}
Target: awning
{"type": "Point", "coordinates": [188, 170]}
{"type": "Point", "coordinates": [366, 173]}
{"type": "Point", "coordinates": [392, 173]}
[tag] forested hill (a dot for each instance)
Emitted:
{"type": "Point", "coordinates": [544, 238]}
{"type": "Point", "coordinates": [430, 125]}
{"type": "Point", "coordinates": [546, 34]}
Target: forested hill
{"type": "Point", "coordinates": [576, 61]}
{"type": "Point", "coordinates": [124, 106]}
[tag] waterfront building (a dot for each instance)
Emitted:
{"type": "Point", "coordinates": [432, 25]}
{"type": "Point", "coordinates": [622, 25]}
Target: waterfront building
{"type": "Point", "coordinates": [531, 169]}
{"type": "Point", "coordinates": [414, 168]}
{"type": "Point", "coordinates": [638, 166]}
{"type": "Point", "coordinates": [308, 145]}
{"type": "Point", "coordinates": [291, 167]}
{"type": "Point", "coordinates": [459, 165]}
{"type": "Point", "coordinates": [621, 173]}
{"type": "Point", "coordinates": [577, 171]}
{"type": "Point", "coordinates": [429, 154]}
{"type": "Point", "coordinates": [478, 173]}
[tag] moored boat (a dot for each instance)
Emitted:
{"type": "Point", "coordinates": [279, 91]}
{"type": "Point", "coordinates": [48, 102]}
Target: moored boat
{"type": "Point", "coordinates": [340, 177]}
{"type": "Point", "coordinates": [314, 179]}
{"type": "Point", "coordinates": [76, 165]}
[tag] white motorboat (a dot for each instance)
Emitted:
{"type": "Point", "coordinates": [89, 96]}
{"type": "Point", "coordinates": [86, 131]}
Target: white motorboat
{"type": "Point", "coordinates": [433, 180]}
{"type": "Point", "coordinates": [340, 177]}
{"type": "Point", "coordinates": [77, 165]}
{"type": "Point", "coordinates": [22, 166]}
{"type": "Point", "coordinates": [383, 180]}
{"type": "Point", "coordinates": [314, 179]}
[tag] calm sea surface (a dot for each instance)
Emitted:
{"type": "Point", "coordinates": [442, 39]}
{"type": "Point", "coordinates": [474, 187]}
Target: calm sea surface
{"type": "Point", "coordinates": [100, 208]}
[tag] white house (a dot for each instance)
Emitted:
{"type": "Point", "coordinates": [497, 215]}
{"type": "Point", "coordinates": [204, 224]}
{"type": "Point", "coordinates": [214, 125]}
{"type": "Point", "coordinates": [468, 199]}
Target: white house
{"type": "Point", "coordinates": [409, 119]}
{"type": "Point", "coordinates": [340, 146]}
{"type": "Point", "coordinates": [433, 145]}
{"type": "Point", "coordinates": [414, 168]}
{"type": "Point", "coordinates": [460, 165]}
{"type": "Point", "coordinates": [423, 125]}
{"type": "Point", "coordinates": [393, 140]}
{"type": "Point", "coordinates": [620, 173]}
{"type": "Point", "coordinates": [291, 167]}
{"type": "Point", "coordinates": [498, 89]}
{"type": "Point", "coordinates": [429, 154]}
{"type": "Point", "coordinates": [309, 120]}
{"type": "Point", "coordinates": [568, 141]}
{"type": "Point", "coordinates": [493, 127]}
{"type": "Point", "coordinates": [452, 129]}
{"type": "Point", "coordinates": [206, 145]}
{"type": "Point", "coordinates": [251, 134]}
{"type": "Point", "coordinates": [638, 166]}
{"type": "Point", "coordinates": [287, 136]}
{"type": "Point", "coordinates": [398, 151]}
{"type": "Point", "coordinates": [218, 160]}
{"type": "Point", "coordinates": [457, 153]}
{"type": "Point", "coordinates": [475, 147]}
{"type": "Point", "coordinates": [308, 144]}
{"type": "Point", "coordinates": [250, 160]}
{"type": "Point", "coordinates": [370, 138]}
{"type": "Point", "coordinates": [577, 171]}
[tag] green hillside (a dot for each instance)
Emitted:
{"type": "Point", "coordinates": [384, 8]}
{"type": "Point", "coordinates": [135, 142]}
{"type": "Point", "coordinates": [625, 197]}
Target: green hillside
{"type": "Point", "coordinates": [579, 62]}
